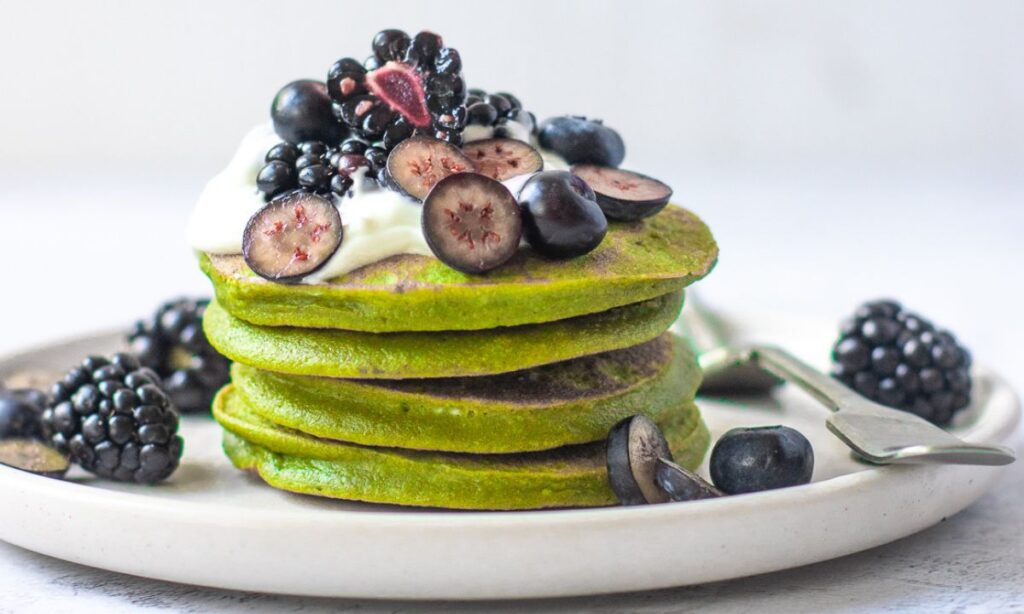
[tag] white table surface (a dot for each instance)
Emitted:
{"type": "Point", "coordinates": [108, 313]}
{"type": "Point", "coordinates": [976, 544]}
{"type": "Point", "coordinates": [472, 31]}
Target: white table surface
{"type": "Point", "coordinates": [946, 241]}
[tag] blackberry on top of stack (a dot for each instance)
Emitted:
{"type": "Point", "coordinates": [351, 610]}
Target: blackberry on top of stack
{"type": "Point", "coordinates": [430, 299]}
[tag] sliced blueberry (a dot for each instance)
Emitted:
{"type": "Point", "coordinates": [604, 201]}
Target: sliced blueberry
{"type": "Point", "coordinates": [634, 447]}
{"type": "Point", "coordinates": [503, 159]}
{"type": "Point", "coordinates": [33, 456]}
{"type": "Point", "coordinates": [292, 236]}
{"type": "Point", "coordinates": [582, 141]}
{"type": "Point", "coordinates": [683, 485]}
{"type": "Point", "coordinates": [417, 163]}
{"type": "Point", "coordinates": [761, 458]}
{"type": "Point", "coordinates": [561, 217]}
{"type": "Point", "coordinates": [471, 222]}
{"type": "Point", "coordinates": [624, 195]}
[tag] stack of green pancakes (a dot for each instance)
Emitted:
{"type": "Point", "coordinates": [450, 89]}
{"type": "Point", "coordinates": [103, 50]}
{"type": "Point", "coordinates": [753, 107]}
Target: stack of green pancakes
{"type": "Point", "coordinates": [407, 382]}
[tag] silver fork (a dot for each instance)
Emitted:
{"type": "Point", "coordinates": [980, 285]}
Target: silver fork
{"type": "Point", "coordinates": [876, 433]}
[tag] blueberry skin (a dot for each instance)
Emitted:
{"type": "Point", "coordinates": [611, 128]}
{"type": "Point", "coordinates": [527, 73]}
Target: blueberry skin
{"type": "Point", "coordinates": [561, 217]}
{"type": "Point", "coordinates": [761, 458]}
{"type": "Point", "coordinates": [301, 111]}
{"type": "Point", "coordinates": [582, 141]}
{"type": "Point", "coordinates": [19, 416]}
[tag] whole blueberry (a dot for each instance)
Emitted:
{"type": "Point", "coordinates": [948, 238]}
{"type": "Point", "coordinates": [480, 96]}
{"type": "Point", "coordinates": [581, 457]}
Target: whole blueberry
{"type": "Point", "coordinates": [561, 217]}
{"type": "Point", "coordinates": [761, 458]}
{"type": "Point", "coordinates": [301, 111]}
{"type": "Point", "coordinates": [20, 412]}
{"type": "Point", "coordinates": [582, 141]}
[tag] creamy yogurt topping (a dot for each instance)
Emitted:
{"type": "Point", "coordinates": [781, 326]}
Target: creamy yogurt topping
{"type": "Point", "coordinates": [378, 223]}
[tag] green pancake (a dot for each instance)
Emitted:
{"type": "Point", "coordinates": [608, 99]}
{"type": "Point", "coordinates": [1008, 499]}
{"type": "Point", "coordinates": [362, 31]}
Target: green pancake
{"type": "Point", "coordinates": [573, 476]}
{"type": "Point", "coordinates": [351, 354]}
{"type": "Point", "coordinates": [637, 261]}
{"type": "Point", "coordinates": [576, 401]}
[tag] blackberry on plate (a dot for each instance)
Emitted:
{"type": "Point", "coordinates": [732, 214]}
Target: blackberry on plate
{"type": "Point", "coordinates": [410, 85]}
{"type": "Point", "coordinates": [311, 166]}
{"type": "Point", "coordinates": [173, 345]}
{"type": "Point", "coordinates": [501, 111]}
{"type": "Point", "coordinates": [899, 359]}
{"type": "Point", "coordinates": [115, 420]}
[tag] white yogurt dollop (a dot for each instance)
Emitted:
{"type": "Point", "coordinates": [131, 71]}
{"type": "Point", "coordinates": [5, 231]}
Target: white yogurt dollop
{"type": "Point", "coordinates": [231, 198]}
{"type": "Point", "coordinates": [377, 223]}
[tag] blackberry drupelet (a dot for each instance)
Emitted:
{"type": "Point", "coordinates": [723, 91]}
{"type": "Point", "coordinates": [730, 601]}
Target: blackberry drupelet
{"type": "Point", "coordinates": [409, 86]}
{"type": "Point", "coordinates": [497, 111]}
{"type": "Point", "coordinates": [901, 360]}
{"type": "Point", "coordinates": [173, 345]}
{"type": "Point", "coordinates": [115, 420]}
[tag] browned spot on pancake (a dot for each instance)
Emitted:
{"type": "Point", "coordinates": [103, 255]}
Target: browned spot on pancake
{"type": "Point", "coordinates": [581, 378]}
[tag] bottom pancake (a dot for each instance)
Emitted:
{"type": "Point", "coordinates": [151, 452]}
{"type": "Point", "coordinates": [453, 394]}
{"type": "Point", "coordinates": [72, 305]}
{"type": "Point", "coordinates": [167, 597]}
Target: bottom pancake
{"type": "Point", "coordinates": [571, 476]}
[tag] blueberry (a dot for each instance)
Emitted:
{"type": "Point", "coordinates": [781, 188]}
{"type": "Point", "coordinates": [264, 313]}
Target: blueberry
{"type": "Point", "coordinates": [682, 485]}
{"type": "Point", "coordinates": [582, 141]}
{"type": "Point", "coordinates": [20, 414]}
{"type": "Point", "coordinates": [761, 458]}
{"type": "Point", "coordinates": [471, 222]}
{"type": "Point", "coordinates": [301, 111]}
{"type": "Point", "coordinates": [561, 217]}
{"type": "Point", "coordinates": [624, 195]}
{"type": "Point", "coordinates": [34, 457]}
{"type": "Point", "coordinates": [634, 447]}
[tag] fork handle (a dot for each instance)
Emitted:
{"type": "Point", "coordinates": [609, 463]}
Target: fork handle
{"type": "Point", "coordinates": [784, 365]}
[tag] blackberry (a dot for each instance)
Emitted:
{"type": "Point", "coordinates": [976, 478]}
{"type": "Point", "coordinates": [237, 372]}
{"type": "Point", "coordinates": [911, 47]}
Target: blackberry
{"type": "Point", "coordinates": [311, 166]}
{"type": "Point", "coordinates": [114, 419]}
{"type": "Point", "coordinates": [409, 86]}
{"type": "Point", "coordinates": [498, 111]}
{"type": "Point", "coordinates": [901, 360]}
{"type": "Point", "coordinates": [173, 345]}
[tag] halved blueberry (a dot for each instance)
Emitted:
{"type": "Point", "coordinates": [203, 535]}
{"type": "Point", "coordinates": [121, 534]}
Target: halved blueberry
{"type": "Point", "coordinates": [624, 195]}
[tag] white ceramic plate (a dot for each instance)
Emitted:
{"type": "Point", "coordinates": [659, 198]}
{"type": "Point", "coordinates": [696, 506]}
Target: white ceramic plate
{"type": "Point", "coordinates": [213, 526]}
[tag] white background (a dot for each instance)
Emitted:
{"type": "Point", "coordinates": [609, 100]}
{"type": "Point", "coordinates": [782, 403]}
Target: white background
{"type": "Point", "coordinates": [839, 150]}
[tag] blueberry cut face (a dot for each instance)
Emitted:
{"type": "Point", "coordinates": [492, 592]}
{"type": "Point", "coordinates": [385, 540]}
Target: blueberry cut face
{"type": "Point", "coordinates": [33, 456]}
{"type": "Point", "coordinates": [471, 222]}
{"type": "Point", "coordinates": [624, 195]}
{"type": "Point", "coordinates": [748, 460]}
{"type": "Point", "coordinates": [502, 159]}
{"type": "Point", "coordinates": [682, 485]}
{"type": "Point", "coordinates": [418, 163]}
{"type": "Point", "coordinates": [634, 447]}
{"type": "Point", "coordinates": [292, 236]}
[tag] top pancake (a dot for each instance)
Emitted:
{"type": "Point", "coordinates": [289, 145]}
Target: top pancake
{"type": "Point", "coordinates": [637, 261]}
